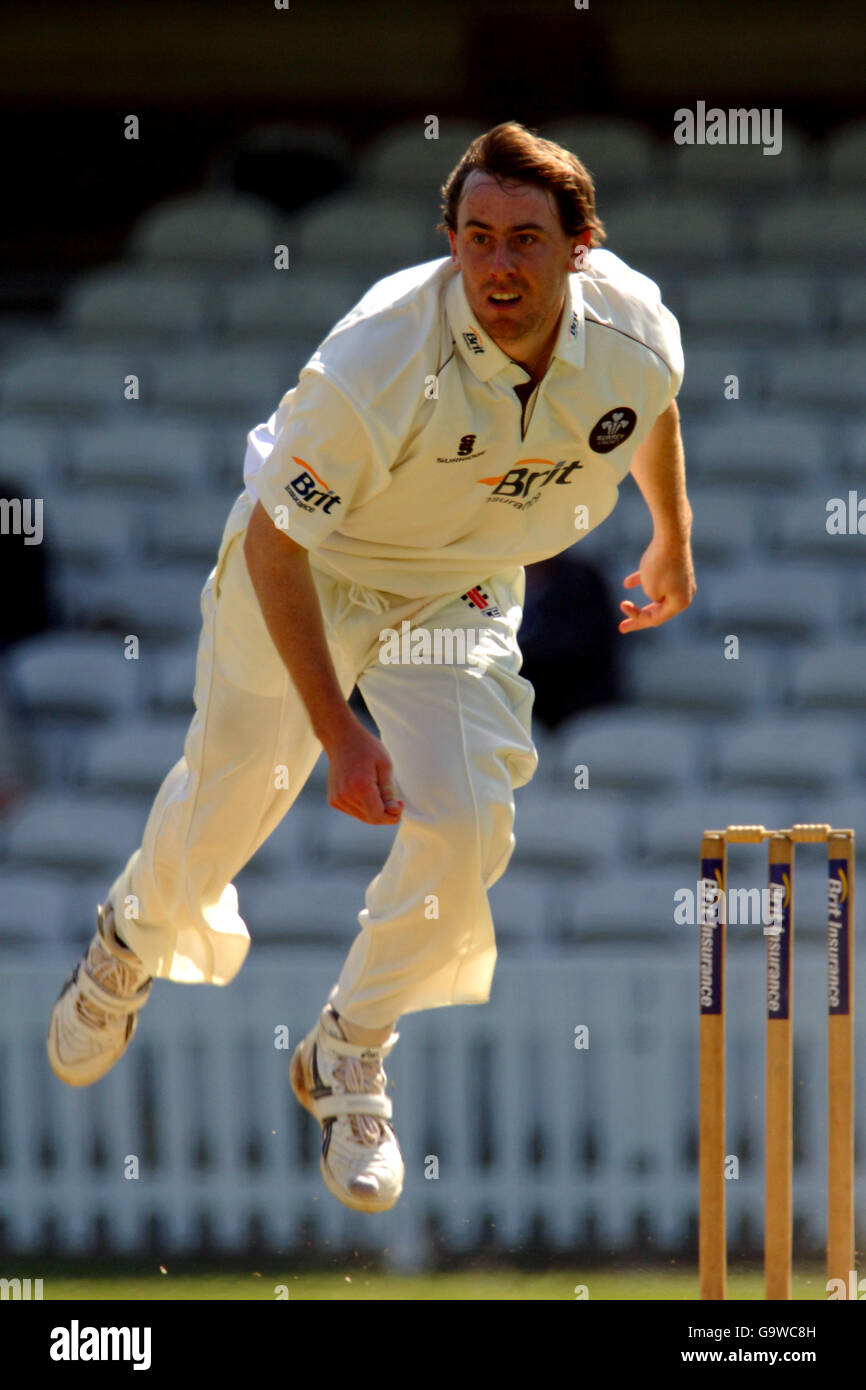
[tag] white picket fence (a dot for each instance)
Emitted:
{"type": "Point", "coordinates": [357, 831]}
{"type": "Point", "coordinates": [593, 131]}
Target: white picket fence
{"type": "Point", "coordinates": [592, 1148]}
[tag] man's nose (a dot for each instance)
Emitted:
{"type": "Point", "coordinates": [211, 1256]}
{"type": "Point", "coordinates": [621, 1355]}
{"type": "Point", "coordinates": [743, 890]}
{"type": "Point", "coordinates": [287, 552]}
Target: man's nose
{"type": "Point", "coordinates": [502, 259]}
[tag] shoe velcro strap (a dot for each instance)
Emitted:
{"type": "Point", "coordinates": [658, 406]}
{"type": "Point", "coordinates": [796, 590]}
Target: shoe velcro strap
{"type": "Point", "coordinates": [348, 1049]}
{"type": "Point", "coordinates": [112, 1003]}
{"type": "Point", "coordinates": [329, 1107]}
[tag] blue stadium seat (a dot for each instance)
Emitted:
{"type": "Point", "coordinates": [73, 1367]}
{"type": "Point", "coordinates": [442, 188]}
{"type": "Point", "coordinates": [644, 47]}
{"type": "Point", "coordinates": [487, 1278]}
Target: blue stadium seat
{"type": "Point", "coordinates": [355, 230]}
{"type": "Point", "coordinates": [799, 529]}
{"type": "Point", "coordinates": [832, 377]}
{"type": "Point", "coordinates": [125, 304]}
{"type": "Point", "coordinates": [725, 523]}
{"type": "Point", "coordinates": [228, 380]}
{"type": "Point", "coordinates": [814, 754]}
{"type": "Point", "coordinates": [31, 454]}
{"type": "Point", "coordinates": [756, 447]}
{"type": "Point", "coordinates": [695, 676]}
{"type": "Point", "coordinates": [561, 827]}
{"type": "Point", "coordinates": [618, 908]}
{"type": "Point", "coordinates": [778, 601]}
{"type": "Point", "coordinates": [849, 296]}
{"type": "Point", "coordinates": [775, 302]}
{"type": "Point", "coordinates": [734, 165]}
{"type": "Point", "coordinates": [303, 305]}
{"type": "Point", "coordinates": [208, 230]}
{"type": "Point", "coordinates": [832, 676]}
{"type": "Point", "coordinates": [526, 906]}
{"type": "Point", "coordinates": [92, 529]}
{"type": "Point", "coordinates": [783, 230]}
{"type": "Point", "coordinates": [34, 910]}
{"type": "Point", "coordinates": [629, 751]}
{"type": "Point", "coordinates": [191, 531]}
{"type": "Point", "coordinates": [403, 159]}
{"type": "Point", "coordinates": [674, 226]}
{"type": "Point", "coordinates": [709, 367]}
{"type": "Point", "coordinates": [69, 830]}
{"type": "Point", "coordinates": [133, 756]}
{"type": "Point", "coordinates": [293, 905]}
{"type": "Point", "coordinates": [845, 155]}
{"type": "Point", "coordinates": [158, 455]}
{"type": "Point", "coordinates": [171, 692]}
{"type": "Point", "coordinates": [74, 381]}
{"type": "Point", "coordinates": [74, 674]}
{"type": "Point", "coordinates": [148, 601]}
{"type": "Point", "coordinates": [618, 153]}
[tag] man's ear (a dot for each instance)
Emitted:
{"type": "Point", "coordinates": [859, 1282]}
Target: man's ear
{"type": "Point", "coordinates": [453, 240]}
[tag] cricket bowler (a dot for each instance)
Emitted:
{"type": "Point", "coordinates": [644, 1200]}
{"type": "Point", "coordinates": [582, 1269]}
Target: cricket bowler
{"type": "Point", "coordinates": [468, 417]}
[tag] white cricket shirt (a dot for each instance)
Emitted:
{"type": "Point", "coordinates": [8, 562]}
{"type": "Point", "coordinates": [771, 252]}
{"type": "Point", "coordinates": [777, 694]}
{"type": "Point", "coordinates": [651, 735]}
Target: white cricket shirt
{"type": "Point", "coordinates": [404, 461]}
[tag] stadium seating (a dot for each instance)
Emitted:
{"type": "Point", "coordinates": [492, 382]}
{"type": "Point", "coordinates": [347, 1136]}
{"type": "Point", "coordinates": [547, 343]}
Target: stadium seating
{"type": "Point", "coordinates": [771, 302]}
{"type": "Point", "coordinates": [127, 305]}
{"type": "Point", "coordinates": [208, 230]}
{"type": "Point", "coordinates": [744, 166]}
{"type": "Point", "coordinates": [66, 830]}
{"type": "Point", "coordinates": [73, 674]}
{"type": "Point", "coordinates": [618, 153]}
{"type": "Point", "coordinates": [845, 154]}
{"type": "Point", "coordinates": [305, 305]}
{"type": "Point", "coordinates": [743, 447]}
{"type": "Point", "coordinates": [136, 494]}
{"type": "Point", "coordinates": [402, 158]}
{"type": "Point", "coordinates": [630, 751]}
{"type": "Point", "coordinates": [132, 757]}
{"type": "Point", "coordinates": [784, 229]}
{"type": "Point", "coordinates": [696, 676]}
{"type": "Point", "coordinates": [831, 676]}
{"type": "Point", "coordinates": [30, 454]}
{"type": "Point", "coordinates": [154, 454]}
{"type": "Point", "coordinates": [814, 753]}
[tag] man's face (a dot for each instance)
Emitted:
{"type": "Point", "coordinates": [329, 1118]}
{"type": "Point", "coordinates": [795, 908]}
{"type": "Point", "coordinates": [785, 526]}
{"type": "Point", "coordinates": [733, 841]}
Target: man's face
{"type": "Point", "coordinates": [515, 259]}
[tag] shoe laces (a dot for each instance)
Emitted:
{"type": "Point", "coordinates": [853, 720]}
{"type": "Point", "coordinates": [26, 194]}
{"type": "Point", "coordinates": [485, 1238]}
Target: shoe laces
{"type": "Point", "coordinates": [364, 1076]}
{"type": "Point", "coordinates": [114, 975]}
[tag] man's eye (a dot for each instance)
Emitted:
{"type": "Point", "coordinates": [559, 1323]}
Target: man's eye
{"type": "Point", "coordinates": [526, 238]}
{"type": "Point", "coordinates": [479, 237]}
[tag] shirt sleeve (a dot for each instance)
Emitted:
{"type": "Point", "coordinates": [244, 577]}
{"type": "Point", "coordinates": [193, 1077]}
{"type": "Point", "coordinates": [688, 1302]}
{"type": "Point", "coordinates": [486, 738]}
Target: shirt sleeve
{"type": "Point", "coordinates": [324, 463]}
{"type": "Point", "coordinates": [673, 356]}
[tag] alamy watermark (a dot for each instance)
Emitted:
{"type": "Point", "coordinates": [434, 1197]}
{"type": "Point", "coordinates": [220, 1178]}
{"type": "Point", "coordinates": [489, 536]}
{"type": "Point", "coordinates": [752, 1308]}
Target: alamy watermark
{"type": "Point", "coordinates": [707, 904]}
{"type": "Point", "coordinates": [22, 516]}
{"type": "Point", "coordinates": [422, 646]}
{"type": "Point", "coordinates": [737, 126]}
{"type": "Point", "coordinates": [20, 1289]}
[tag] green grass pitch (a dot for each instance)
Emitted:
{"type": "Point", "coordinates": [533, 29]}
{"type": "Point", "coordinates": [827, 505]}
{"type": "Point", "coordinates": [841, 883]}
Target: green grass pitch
{"type": "Point", "coordinates": [500, 1285]}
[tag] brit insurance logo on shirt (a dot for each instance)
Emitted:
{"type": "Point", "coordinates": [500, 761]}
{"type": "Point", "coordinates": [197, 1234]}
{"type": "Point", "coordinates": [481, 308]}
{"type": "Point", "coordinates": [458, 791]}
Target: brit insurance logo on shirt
{"type": "Point", "coordinates": [523, 485]}
{"type": "Point", "coordinates": [309, 491]}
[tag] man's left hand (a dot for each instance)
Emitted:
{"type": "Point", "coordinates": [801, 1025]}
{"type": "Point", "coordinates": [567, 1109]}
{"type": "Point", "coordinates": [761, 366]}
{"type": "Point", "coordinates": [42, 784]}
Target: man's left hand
{"type": "Point", "coordinates": [667, 577]}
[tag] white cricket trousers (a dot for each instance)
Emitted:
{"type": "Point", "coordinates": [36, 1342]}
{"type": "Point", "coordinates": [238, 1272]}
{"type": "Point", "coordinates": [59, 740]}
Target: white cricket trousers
{"type": "Point", "coordinates": [459, 740]}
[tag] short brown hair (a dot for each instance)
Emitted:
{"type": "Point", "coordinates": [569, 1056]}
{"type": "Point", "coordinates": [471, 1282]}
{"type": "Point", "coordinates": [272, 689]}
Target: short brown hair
{"type": "Point", "coordinates": [511, 152]}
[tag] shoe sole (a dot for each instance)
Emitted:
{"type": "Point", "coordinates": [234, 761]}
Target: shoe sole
{"type": "Point", "coordinates": [348, 1199]}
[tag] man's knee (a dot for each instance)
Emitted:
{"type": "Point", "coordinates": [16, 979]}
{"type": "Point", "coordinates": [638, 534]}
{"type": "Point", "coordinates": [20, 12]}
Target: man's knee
{"type": "Point", "coordinates": [483, 826]}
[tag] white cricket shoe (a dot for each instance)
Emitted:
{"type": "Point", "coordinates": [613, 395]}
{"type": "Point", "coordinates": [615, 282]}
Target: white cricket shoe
{"type": "Point", "coordinates": [343, 1085]}
{"type": "Point", "coordinates": [96, 1012]}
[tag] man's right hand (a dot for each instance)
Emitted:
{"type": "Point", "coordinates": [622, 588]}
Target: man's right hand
{"type": "Point", "coordinates": [361, 778]}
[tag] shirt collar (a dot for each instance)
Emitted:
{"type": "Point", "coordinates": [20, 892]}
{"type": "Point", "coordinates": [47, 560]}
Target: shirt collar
{"type": "Point", "coordinates": [483, 356]}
